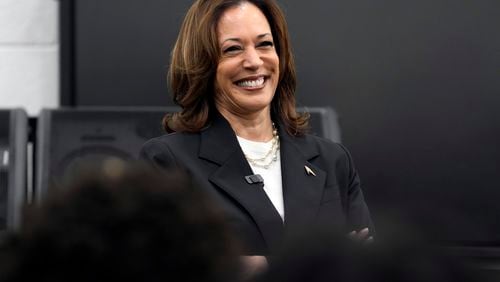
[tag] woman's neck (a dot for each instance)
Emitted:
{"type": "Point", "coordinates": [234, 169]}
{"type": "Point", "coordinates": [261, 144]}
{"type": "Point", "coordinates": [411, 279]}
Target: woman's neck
{"type": "Point", "coordinates": [255, 126]}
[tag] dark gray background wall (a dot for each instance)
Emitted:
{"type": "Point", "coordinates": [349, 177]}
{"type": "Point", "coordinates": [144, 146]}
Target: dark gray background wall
{"type": "Point", "coordinates": [416, 85]}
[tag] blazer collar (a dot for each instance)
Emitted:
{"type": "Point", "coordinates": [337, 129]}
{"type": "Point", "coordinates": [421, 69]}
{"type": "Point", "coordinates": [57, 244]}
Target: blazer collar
{"type": "Point", "coordinates": [303, 182]}
{"type": "Point", "coordinates": [218, 141]}
{"type": "Point", "coordinates": [302, 191]}
{"type": "Point", "coordinates": [220, 135]}
{"type": "Point", "coordinates": [220, 145]}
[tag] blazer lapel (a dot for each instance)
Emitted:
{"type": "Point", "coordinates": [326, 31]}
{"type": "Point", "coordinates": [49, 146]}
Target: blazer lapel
{"type": "Point", "coordinates": [303, 182]}
{"type": "Point", "coordinates": [219, 145]}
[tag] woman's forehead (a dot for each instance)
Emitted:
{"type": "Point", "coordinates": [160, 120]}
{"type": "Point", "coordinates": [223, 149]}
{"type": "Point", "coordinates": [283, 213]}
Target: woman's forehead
{"type": "Point", "coordinates": [245, 18]}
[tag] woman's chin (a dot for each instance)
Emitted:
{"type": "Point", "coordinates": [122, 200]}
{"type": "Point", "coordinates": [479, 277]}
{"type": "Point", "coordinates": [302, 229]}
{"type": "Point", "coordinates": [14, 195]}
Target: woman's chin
{"type": "Point", "coordinates": [255, 102]}
{"type": "Point", "coordinates": [256, 107]}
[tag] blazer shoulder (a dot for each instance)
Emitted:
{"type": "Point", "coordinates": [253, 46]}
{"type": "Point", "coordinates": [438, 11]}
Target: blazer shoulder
{"type": "Point", "coordinates": [332, 156]}
{"type": "Point", "coordinates": [172, 140]}
{"type": "Point", "coordinates": [162, 150]}
{"type": "Point", "coordinates": [327, 147]}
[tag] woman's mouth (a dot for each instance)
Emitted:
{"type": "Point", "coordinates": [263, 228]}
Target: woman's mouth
{"type": "Point", "coordinates": [251, 83]}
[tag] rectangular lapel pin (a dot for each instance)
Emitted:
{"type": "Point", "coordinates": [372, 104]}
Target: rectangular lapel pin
{"type": "Point", "coordinates": [309, 171]}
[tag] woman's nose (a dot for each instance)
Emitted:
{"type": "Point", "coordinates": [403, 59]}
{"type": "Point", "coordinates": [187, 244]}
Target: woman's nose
{"type": "Point", "coordinates": [252, 59]}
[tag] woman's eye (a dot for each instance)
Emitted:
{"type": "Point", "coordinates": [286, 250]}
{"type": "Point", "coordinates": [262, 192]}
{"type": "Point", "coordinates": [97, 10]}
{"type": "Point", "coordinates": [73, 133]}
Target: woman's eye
{"type": "Point", "coordinates": [231, 49]}
{"type": "Point", "coordinates": [266, 44]}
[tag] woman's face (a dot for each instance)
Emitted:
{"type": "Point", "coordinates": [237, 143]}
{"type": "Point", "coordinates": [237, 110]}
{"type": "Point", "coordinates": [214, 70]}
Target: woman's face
{"type": "Point", "coordinates": [248, 70]}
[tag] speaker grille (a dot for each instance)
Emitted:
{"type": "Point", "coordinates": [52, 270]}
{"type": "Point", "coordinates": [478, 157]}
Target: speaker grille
{"type": "Point", "coordinates": [71, 138]}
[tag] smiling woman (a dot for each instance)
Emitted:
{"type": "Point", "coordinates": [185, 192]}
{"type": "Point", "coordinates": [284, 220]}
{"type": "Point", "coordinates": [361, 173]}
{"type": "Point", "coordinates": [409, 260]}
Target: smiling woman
{"type": "Point", "coordinates": [208, 43]}
{"type": "Point", "coordinates": [248, 71]}
{"type": "Point", "coordinates": [239, 136]}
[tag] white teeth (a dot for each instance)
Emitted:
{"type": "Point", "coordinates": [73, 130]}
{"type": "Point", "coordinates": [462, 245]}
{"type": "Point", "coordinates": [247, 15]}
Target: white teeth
{"type": "Point", "coordinates": [251, 83]}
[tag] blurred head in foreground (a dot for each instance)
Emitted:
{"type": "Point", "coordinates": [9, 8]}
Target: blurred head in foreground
{"type": "Point", "coordinates": [121, 223]}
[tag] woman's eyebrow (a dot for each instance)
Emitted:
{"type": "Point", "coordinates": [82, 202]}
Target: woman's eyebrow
{"type": "Point", "coordinates": [232, 39]}
{"type": "Point", "coordinates": [239, 40]}
{"type": "Point", "coordinates": [264, 35]}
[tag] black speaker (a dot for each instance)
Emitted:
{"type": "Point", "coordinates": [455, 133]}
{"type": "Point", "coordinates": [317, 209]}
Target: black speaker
{"type": "Point", "coordinates": [70, 138]}
{"type": "Point", "coordinates": [323, 122]}
{"type": "Point", "coordinates": [13, 148]}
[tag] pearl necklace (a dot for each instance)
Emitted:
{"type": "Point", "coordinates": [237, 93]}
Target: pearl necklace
{"type": "Point", "coordinates": [271, 155]}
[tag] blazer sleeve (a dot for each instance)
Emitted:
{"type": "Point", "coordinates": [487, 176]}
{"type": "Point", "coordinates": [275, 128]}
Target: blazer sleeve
{"type": "Point", "coordinates": [357, 212]}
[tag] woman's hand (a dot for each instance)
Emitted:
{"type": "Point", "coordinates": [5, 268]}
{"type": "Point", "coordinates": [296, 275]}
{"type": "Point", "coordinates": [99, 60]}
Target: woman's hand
{"type": "Point", "coordinates": [252, 266]}
{"type": "Point", "coordinates": [362, 235]}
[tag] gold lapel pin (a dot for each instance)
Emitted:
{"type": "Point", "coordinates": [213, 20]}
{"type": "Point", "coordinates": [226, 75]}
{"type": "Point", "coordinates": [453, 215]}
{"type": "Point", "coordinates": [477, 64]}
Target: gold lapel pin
{"type": "Point", "coordinates": [309, 171]}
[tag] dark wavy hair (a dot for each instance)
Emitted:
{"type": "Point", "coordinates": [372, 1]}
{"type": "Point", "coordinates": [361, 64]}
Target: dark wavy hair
{"type": "Point", "coordinates": [194, 61]}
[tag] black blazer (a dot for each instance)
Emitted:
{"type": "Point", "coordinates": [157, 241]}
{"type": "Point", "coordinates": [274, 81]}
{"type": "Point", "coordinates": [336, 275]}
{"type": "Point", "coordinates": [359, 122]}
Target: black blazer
{"type": "Point", "coordinates": [331, 198]}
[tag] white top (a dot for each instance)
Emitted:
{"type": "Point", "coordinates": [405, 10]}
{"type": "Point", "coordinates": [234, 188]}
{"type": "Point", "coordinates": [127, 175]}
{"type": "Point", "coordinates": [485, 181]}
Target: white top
{"type": "Point", "coordinates": [272, 175]}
